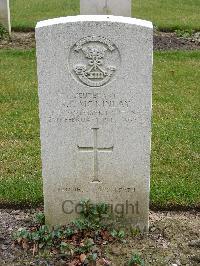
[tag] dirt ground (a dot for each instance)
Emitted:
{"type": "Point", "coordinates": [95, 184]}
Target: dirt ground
{"type": "Point", "coordinates": [162, 41]}
{"type": "Point", "coordinates": [169, 41]}
{"type": "Point", "coordinates": [174, 239]}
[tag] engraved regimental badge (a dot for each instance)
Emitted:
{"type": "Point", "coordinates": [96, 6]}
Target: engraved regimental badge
{"type": "Point", "coordinates": [94, 61]}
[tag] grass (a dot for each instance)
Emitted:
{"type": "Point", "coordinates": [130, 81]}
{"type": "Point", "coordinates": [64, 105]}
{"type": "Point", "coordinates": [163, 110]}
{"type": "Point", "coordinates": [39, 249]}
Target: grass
{"type": "Point", "coordinates": [169, 15]}
{"type": "Point", "coordinates": [166, 15]}
{"type": "Point", "coordinates": [25, 14]}
{"type": "Point", "coordinates": [20, 174]}
{"type": "Point", "coordinates": [175, 159]}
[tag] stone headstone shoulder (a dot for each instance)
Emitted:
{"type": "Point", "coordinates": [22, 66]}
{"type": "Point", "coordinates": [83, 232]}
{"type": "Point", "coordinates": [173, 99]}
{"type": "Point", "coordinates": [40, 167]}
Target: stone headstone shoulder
{"type": "Point", "coordinates": [95, 83]}
{"type": "Point", "coordinates": [5, 15]}
{"type": "Point", "coordinates": [106, 7]}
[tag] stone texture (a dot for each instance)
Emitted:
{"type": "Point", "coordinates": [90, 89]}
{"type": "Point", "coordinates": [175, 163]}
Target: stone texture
{"type": "Point", "coordinates": [106, 7]}
{"type": "Point", "coordinates": [5, 14]}
{"type": "Point", "coordinates": [95, 86]}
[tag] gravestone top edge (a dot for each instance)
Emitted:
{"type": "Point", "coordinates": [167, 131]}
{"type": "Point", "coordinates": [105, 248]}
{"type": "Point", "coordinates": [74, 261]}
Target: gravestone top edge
{"type": "Point", "coordinates": [95, 18]}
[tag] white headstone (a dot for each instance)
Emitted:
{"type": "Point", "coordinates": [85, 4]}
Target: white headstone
{"type": "Point", "coordinates": [5, 15]}
{"type": "Point", "coordinates": [106, 7]}
{"type": "Point", "coordinates": [95, 75]}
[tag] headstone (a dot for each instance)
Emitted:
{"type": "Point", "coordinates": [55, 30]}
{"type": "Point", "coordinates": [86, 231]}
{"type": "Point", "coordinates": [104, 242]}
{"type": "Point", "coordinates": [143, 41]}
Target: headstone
{"type": "Point", "coordinates": [95, 84]}
{"type": "Point", "coordinates": [5, 14]}
{"type": "Point", "coordinates": [106, 7]}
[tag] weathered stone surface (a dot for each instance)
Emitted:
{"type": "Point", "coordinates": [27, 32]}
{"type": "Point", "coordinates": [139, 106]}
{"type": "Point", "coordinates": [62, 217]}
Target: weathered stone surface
{"type": "Point", "coordinates": [5, 14]}
{"type": "Point", "coordinates": [106, 7]}
{"type": "Point", "coordinates": [95, 75]}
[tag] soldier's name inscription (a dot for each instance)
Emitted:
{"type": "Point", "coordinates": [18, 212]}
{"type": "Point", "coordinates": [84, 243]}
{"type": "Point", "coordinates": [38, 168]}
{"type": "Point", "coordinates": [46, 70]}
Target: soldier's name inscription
{"type": "Point", "coordinates": [85, 107]}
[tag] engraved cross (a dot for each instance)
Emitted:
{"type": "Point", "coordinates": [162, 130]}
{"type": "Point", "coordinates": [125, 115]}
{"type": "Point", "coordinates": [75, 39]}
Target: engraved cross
{"type": "Point", "coordinates": [95, 150]}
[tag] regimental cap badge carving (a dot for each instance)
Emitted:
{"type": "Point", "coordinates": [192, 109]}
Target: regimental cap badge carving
{"type": "Point", "coordinates": [94, 61]}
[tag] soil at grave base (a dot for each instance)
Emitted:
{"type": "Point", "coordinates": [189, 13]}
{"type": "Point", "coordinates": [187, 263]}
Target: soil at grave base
{"type": "Point", "coordinates": [168, 243]}
{"type": "Point", "coordinates": [162, 41]}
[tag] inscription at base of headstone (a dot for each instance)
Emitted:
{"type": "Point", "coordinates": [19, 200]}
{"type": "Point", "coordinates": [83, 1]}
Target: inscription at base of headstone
{"type": "Point", "coordinates": [5, 15]}
{"type": "Point", "coordinates": [95, 85]}
{"type": "Point", "coordinates": [106, 7]}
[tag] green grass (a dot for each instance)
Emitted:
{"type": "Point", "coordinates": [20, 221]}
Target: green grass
{"type": "Point", "coordinates": [176, 129]}
{"type": "Point", "coordinates": [175, 159]}
{"type": "Point", "coordinates": [26, 13]}
{"type": "Point", "coordinates": [165, 14]}
{"type": "Point", "coordinates": [20, 171]}
{"type": "Point", "coordinates": [169, 14]}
